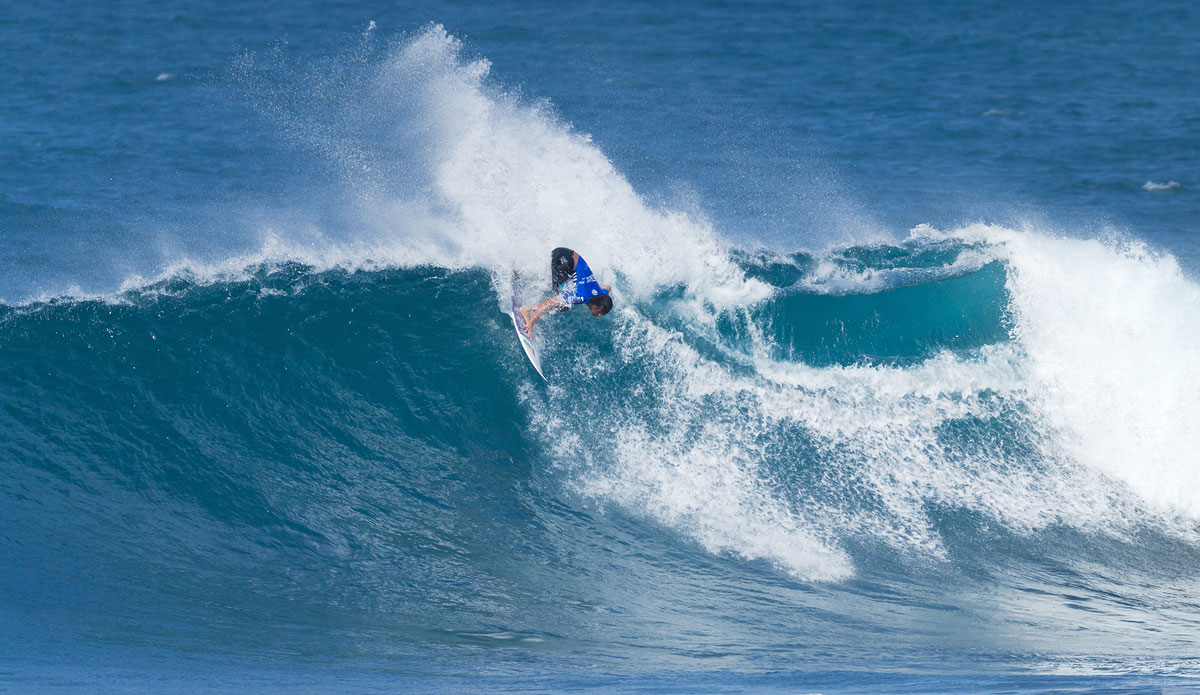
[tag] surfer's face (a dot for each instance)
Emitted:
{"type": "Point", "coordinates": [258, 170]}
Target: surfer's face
{"type": "Point", "coordinates": [596, 311]}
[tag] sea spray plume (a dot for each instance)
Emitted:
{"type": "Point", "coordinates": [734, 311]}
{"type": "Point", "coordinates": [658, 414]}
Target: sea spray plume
{"type": "Point", "coordinates": [441, 166]}
{"type": "Point", "coordinates": [518, 179]}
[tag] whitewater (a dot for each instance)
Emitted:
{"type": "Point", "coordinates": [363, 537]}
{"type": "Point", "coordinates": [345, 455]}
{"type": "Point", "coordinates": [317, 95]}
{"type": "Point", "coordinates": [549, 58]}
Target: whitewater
{"type": "Point", "coordinates": [312, 451]}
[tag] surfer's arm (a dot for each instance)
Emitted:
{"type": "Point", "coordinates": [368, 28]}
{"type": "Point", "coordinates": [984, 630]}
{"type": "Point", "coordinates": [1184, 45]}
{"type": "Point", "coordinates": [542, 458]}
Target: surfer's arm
{"type": "Point", "coordinates": [536, 311]}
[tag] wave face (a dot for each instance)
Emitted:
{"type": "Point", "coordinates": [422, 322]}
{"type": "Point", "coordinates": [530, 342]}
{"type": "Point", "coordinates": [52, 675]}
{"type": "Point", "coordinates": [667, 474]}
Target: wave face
{"type": "Point", "coordinates": [966, 447]}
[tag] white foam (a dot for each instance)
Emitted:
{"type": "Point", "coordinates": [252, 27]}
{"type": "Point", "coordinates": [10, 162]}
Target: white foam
{"type": "Point", "coordinates": [1110, 332]}
{"type": "Point", "coordinates": [879, 428]}
{"type": "Point", "coordinates": [697, 462]}
{"type": "Point", "coordinates": [702, 475]}
{"type": "Point", "coordinates": [830, 276]}
{"type": "Point", "coordinates": [1155, 187]}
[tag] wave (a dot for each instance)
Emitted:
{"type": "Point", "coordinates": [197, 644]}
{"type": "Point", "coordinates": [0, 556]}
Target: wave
{"type": "Point", "coordinates": [784, 430]}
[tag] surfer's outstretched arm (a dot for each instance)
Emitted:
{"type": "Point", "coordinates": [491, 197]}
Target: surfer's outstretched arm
{"type": "Point", "coordinates": [533, 312]}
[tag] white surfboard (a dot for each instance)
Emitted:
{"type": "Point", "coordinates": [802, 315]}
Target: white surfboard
{"type": "Point", "coordinates": [526, 339]}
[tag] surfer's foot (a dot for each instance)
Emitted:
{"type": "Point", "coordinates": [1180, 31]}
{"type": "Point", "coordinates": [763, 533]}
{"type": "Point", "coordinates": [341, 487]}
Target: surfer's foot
{"type": "Point", "coordinates": [524, 312]}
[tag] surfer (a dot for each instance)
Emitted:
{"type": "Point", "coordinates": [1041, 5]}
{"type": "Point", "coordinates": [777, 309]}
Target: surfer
{"type": "Point", "coordinates": [566, 265]}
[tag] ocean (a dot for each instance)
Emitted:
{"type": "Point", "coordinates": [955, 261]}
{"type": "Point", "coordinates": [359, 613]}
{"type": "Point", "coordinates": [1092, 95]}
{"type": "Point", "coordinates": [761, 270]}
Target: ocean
{"type": "Point", "coordinates": [898, 394]}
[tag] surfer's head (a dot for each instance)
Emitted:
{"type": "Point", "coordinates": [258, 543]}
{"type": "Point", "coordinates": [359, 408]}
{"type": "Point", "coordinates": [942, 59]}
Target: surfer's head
{"type": "Point", "coordinates": [600, 304]}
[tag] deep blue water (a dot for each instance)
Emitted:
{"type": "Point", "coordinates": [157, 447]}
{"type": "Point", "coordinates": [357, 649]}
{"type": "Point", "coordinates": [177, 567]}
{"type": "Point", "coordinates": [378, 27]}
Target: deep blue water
{"type": "Point", "coordinates": [897, 395]}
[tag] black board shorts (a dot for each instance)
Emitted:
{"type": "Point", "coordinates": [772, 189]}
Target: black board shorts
{"type": "Point", "coordinates": [562, 266]}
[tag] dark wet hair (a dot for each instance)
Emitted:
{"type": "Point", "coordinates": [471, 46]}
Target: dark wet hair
{"type": "Point", "coordinates": [602, 302]}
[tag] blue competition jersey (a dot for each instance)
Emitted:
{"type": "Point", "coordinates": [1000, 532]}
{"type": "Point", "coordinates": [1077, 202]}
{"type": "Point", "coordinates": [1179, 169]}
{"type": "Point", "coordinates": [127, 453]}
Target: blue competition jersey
{"type": "Point", "coordinates": [586, 286]}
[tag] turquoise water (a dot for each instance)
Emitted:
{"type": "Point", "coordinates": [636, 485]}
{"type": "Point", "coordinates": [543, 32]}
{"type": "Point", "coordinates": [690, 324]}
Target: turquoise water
{"type": "Point", "coordinates": [896, 397]}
